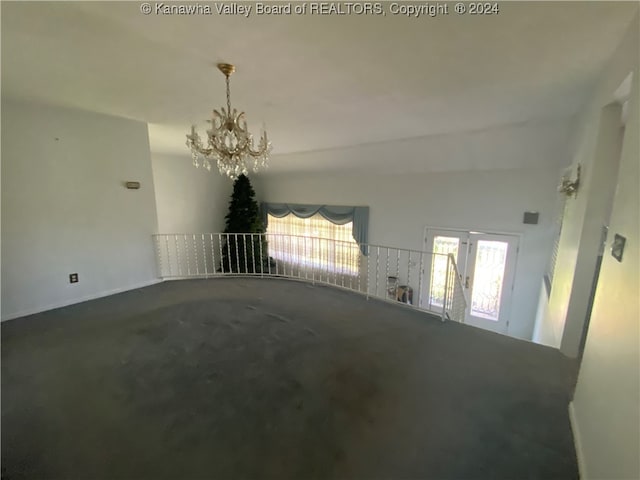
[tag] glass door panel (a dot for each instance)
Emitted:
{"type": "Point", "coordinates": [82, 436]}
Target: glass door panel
{"type": "Point", "coordinates": [489, 280]}
{"type": "Point", "coordinates": [442, 243]}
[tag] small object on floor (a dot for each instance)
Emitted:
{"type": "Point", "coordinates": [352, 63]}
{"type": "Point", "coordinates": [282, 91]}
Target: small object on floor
{"type": "Point", "coordinates": [404, 294]}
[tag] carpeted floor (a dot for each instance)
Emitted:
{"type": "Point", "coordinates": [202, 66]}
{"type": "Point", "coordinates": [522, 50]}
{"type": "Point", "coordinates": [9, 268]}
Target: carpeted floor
{"type": "Point", "coordinates": [269, 378]}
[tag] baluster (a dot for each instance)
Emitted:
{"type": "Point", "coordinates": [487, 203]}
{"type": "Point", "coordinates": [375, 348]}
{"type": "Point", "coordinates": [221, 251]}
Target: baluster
{"type": "Point", "coordinates": [313, 263]}
{"type": "Point", "coordinates": [260, 239]}
{"type": "Point", "coordinates": [156, 240]}
{"type": "Point", "coordinates": [387, 294]}
{"type": "Point", "coordinates": [204, 256]}
{"type": "Point", "coordinates": [195, 254]}
{"type": "Point", "coordinates": [253, 254]}
{"type": "Point", "coordinates": [213, 255]}
{"type": "Point", "coordinates": [179, 263]}
{"type": "Point", "coordinates": [360, 255]}
{"type": "Point", "coordinates": [235, 237]}
{"type": "Point", "coordinates": [221, 253]}
{"type": "Point", "coordinates": [377, 269]}
{"type": "Point", "coordinates": [230, 266]}
{"type": "Point", "coordinates": [306, 259]}
{"type": "Point", "coordinates": [409, 299]}
{"type": "Point", "coordinates": [186, 253]}
{"type": "Point", "coordinates": [434, 257]}
{"type": "Point", "coordinates": [244, 249]}
{"type": "Point", "coordinates": [420, 275]}
{"type": "Point", "coordinates": [166, 241]}
{"type": "Point", "coordinates": [342, 261]}
{"type": "Point", "coordinates": [268, 256]}
{"type": "Point", "coordinates": [368, 249]}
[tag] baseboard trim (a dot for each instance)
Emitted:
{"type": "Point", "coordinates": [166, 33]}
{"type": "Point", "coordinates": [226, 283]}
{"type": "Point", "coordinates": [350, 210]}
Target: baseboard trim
{"type": "Point", "coordinates": [33, 311]}
{"type": "Point", "coordinates": [576, 441]}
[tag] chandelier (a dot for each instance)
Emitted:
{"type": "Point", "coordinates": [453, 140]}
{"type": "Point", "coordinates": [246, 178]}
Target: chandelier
{"type": "Point", "coordinates": [229, 142]}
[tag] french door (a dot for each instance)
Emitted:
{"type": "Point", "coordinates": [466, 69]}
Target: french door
{"type": "Point", "coordinates": [486, 263]}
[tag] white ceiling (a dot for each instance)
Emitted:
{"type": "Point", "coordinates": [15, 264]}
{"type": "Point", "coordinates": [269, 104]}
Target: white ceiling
{"type": "Point", "coordinates": [317, 81]}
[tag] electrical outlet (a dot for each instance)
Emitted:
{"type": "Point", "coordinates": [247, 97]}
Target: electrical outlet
{"type": "Point", "coordinates": [73, 278]}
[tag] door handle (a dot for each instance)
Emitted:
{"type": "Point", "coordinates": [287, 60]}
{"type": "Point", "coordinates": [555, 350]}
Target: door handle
{"type": "Point", "coordinates": [466, 282]}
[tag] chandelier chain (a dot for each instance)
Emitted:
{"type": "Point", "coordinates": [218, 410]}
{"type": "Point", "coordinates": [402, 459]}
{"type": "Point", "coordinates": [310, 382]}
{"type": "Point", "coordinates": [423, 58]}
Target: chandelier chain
{"type": "Point", "coordinates": [228, 95]}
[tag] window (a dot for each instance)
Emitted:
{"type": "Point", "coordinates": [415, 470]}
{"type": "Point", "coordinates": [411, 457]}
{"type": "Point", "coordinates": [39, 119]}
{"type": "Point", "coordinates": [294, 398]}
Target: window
{"type": "Point", "coordinates": [314, 242]}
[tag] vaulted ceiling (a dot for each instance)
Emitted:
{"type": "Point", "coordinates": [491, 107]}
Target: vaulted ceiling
{"type": "Point", "coordinates": [317, 81]}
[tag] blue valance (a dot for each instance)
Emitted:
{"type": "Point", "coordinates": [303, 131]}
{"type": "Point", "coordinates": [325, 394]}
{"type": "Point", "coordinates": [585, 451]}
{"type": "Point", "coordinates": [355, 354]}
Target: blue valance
{"type": "Point", "coordinates": [338, 215]}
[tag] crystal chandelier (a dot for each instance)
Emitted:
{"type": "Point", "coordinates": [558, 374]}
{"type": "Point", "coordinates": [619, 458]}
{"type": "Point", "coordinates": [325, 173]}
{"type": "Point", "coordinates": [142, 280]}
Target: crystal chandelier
{"type": "Point", "coordinates": [229, 142]}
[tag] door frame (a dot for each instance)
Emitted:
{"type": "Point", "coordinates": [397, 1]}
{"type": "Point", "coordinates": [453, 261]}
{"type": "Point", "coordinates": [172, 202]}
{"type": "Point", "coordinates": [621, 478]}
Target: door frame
{"type": "Point", "coordinates": [519, 236]}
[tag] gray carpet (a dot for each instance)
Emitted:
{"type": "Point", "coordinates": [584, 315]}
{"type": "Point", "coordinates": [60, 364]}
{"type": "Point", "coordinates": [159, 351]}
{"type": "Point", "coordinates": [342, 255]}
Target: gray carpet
{"type": "Point", "coordinates": [269, 378]}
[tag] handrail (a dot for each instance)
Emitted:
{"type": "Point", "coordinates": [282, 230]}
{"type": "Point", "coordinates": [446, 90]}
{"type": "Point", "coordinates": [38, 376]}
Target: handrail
{"type": "Point", "coordinates": [425, 281]}
{"type": "Point", "coordinates": [457, 290]}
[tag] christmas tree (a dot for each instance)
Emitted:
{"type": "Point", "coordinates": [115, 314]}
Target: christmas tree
{"type": "Point", "coordinates": [244, 253]}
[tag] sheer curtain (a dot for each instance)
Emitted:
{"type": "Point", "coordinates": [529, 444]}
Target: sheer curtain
{"type": "Point", "coordinates": [314, 242]}
{"type": "Point", "coordinates": [358, 217]}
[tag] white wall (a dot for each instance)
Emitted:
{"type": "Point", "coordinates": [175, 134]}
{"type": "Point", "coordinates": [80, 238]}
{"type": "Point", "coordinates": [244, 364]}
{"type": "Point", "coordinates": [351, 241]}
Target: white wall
{"type": "Point", "coordinates": [189, 199]}
{"type": "Point", "coordinates": [598, 152]}
{"type": "Point", "coordinates": [65, 209]}
{"type": "Point", "coordinates": [402, 205]}
{"type": "Point", "coordinates": [533, 144]}
{"type": "Point", "coordinates": [580, 242]}
{"type": "Point", "coordinates": [541, 312]}
{"type": "Point", "coordinates": [599, 192]}
{"type": "Point", "coordinates": [605, 409]}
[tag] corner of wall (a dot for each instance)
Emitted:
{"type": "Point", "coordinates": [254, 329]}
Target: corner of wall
{"type": "Point", "coordinates": [179, 192]}
{"type": "Point", "coordinates": [577, 442]}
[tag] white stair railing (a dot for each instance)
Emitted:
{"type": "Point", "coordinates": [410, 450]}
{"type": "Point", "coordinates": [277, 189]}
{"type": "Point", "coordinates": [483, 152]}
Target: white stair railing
{"type": "Point", "coordinates": [421, 280]}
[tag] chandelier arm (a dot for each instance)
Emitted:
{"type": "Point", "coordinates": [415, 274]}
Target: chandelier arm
{"type": "Point", "coordinates": [262, 149]}
{"type": "Point", "coordinates": [264, 146]}
{"type": "Point", "coordinates": [204, 151]}
{"type": "Point", "coordinates": [217, 120]}
{"type": "Point", "coordinates": [240, 122]}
